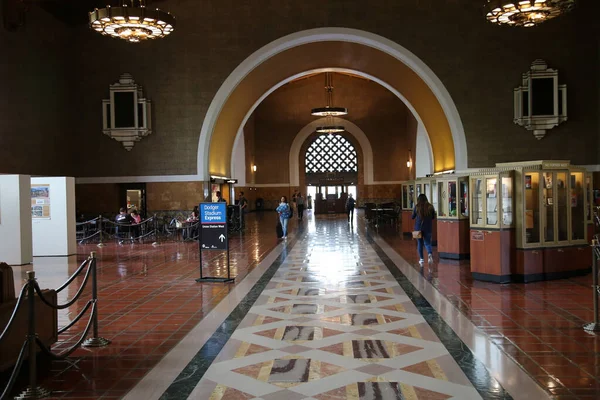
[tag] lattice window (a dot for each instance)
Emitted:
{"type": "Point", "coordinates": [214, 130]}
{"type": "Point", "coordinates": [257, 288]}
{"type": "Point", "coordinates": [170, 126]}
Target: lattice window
{"type": "Point", "coordinates": [331, 153]}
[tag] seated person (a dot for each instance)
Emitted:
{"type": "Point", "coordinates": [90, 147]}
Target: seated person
{"type": "Point", "coordinates": [123, 218]}
{"type": "Point", "coordinates": [191, 231]}
{"type": "Point", "coordinates": [137, 219]}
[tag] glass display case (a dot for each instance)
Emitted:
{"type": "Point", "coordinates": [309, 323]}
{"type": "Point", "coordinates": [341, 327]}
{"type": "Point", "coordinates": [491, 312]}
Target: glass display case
{"type": "Point", "coordinates": [554, 204]}
{"type": "Point", "coordinates": [426, 186]}
{"type": "Point", "coordinates": [589, 210]}
{"type": "Point", "coordinates": [492, 200]}
{"type": "Point", "coordinates": [534, 218]}
{"type": "Point", "coordinates": [408, 195]}
{"type": "Point", "coordinates": [452, 197]}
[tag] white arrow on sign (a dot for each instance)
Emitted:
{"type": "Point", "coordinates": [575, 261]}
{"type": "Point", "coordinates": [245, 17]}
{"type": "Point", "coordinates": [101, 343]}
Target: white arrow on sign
{"type": "Point", "coordinates": [222, 238]}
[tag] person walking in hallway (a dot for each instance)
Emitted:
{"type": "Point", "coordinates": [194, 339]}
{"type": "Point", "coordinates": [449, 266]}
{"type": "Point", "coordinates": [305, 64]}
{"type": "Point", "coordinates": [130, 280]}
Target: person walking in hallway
{"type": "Point", "coordinates": [243, 203]}
{"type": "Point", "coordinates": [300, 205]}
{"type": "Point", "coordinates": [284, 214]}
{"type": "Point", "coordinates": [424, 214]}
{"type": "Point", "coordinates": [350, 203]}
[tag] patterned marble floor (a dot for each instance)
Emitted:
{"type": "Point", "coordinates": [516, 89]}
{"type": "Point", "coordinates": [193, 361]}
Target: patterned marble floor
{"type": "Point", "coordinates": [331, 321]}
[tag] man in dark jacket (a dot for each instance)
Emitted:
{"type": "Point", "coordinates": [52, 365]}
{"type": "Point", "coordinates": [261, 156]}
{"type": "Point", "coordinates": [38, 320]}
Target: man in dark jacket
{"type": "Point", "coordinates": [350, 202]}
{"type": "Point", "coordinates": [123, 218]}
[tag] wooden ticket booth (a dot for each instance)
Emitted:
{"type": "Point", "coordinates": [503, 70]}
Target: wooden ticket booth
{"type": "Point", "coordinates": [530, 221]}
{"type": "Point", "coordinates": [453, 216]}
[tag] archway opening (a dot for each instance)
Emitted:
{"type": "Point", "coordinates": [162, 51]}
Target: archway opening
{"type": "Point", "coordinates": [331, 168]}
{"type": "Point", "coordinates": [338, 48]}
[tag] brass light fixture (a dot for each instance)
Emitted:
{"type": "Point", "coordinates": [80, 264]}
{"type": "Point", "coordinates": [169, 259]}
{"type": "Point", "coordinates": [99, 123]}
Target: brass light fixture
{"type": "Point", "coordinates": [330, 128]}
{"type": "Point", "coordinates": [525, 13]}
{"type": "Point", "coordinates": [329, 110]}
{"type": "Point", "coordinates": [132, 21]}
{"type": "Point", "coordinates": [409, 162]}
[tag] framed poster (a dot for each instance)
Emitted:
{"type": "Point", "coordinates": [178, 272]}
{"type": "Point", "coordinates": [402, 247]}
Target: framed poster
{"type": "Point", "coordinates": [40, 201]}
{"type": "Point", "coordinates": [527, 181]}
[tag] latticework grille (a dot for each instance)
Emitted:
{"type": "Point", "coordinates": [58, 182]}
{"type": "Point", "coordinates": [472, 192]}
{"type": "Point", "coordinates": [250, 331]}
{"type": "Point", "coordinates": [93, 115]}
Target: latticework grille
{"type": "Point", "coordinates": [331, 153]}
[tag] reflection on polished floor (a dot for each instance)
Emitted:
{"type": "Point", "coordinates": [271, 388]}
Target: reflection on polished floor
{"type": "Point", "coordinates": [335, 312]}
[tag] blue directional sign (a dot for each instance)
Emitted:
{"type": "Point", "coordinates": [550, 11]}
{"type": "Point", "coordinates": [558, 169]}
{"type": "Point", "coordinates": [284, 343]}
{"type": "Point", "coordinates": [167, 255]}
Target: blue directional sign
{"type": "Point", "coordinates": [213, 213]}
{"type": "Point", "coordinates": [213, 226]}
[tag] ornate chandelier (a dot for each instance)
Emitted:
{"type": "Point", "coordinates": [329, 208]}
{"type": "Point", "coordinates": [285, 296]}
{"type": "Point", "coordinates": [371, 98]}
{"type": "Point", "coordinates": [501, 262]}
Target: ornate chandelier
{"type": "Point", "coordinates": [132, 22]}
{"type": "Point", "coordinates": [526, 13]}
{"type": "Point", "coordinates": [329, 110]}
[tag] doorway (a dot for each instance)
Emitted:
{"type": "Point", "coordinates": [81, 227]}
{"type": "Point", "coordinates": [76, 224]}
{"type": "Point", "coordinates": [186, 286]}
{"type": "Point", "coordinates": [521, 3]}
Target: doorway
{"type": "Point", "coordinates": [133, 196]}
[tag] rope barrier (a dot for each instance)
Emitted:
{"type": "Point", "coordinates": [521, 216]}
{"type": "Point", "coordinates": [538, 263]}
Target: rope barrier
{"type": "Point", "coordinates": [71, 349]}
{"type": "Point", "coordinates": [15, 372]}
{"type": "Point", "coordinates": [68, 304]}
{"type": "Point", "coordinates": [75, 274]}
{"type": "Point", "coordinates": [14, 313]}
{"type": "Point", "coordinates": [150, 227]}
{"type": "Point", "coordinates": [77, 318]}
{"type": "Point", "coordinates": [32, 341]}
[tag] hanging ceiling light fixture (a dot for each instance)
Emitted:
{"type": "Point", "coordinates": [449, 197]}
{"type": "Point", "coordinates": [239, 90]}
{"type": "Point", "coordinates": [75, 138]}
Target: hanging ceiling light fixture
{"type": "Point", "coordinates": [329, 110]}
{"type": "Point", "coordinates": [330, 128]}
{"type": "Point", "coordinates": [526, 13]}
{"type": "Point", "coordinates": [132, 22]}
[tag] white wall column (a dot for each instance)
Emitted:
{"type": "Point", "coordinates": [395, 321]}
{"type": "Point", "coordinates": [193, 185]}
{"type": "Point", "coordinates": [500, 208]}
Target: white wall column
{"type": "Point", "coordinates": [423, 154]}
{"type": "Point", "coordinates": [54, 231]}
{"type": "Point", "coordinates": [15, 220]}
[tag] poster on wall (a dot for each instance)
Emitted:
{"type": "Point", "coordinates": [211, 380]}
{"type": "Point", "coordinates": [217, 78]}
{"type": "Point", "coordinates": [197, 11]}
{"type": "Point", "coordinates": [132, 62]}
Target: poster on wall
{"type": "Point", "coordinates": [40, 201]}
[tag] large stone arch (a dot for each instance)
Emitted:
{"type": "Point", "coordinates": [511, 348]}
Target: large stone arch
{"type": "Point", "coordinates": [337, 48]}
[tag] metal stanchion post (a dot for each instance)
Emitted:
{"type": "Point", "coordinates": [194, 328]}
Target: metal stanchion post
{"type": "Point", "coordinates": [594, 326]}
{"type": "Point", "coordinates": [95, 341]}
{"type": "Point", "coordinates": [33, 391]}
{"type": "Point", "coordinates": [101, 227]}
{"type": "Point", "coordinates": [156, 242]}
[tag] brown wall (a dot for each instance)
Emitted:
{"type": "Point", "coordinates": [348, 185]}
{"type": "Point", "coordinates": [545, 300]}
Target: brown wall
{"type": "Point", "coordinates": [36, 123]}
{"type": "Point", "coordinates": [98, 198]}
{"type": "Point", "coordinates": [478, 63]}
{"type": "Point", "coordinates": [173, 195]}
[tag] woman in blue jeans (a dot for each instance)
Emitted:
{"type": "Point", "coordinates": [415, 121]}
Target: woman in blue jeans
{"type": "Point", "coordinates": [284, 215]}
{"type": "Point", "coordinates": [424, 214]}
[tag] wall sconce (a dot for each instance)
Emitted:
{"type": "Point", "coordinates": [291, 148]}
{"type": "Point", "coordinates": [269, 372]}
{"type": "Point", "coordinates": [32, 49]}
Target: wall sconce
{"type": "Point", "coordinates": [254, 167]}
{"type": "Point", "coordinates": [409, 161]}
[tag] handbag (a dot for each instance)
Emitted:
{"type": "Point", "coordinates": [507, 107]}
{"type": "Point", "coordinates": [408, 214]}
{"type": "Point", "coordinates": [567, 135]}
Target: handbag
{"type": "Point", "coordinates": [418, 234]}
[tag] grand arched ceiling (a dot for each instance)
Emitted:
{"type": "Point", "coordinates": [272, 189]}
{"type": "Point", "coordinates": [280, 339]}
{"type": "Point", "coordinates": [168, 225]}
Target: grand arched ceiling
{"type": "Point", "coordinates": [334, 54]}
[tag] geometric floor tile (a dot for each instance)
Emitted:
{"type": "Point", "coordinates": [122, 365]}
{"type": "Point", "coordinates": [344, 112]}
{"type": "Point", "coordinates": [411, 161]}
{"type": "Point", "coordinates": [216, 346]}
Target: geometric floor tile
{"type": "Point", "coordinates": [290, 370]}
{"type": "Point", "coordinates": [304, 309]}
{"type": "Point", "coordinates": [379, 391]}
{"type": "Point", "coordinates": [299, 333]}
{"type": "Point", "coordinates": [295, 349]}
{"type": "Point", "coordinates": [369, 349]}
{"type": "Point", "coordinates": [375, 369]}
{"type": "Point", "coordinates": [335, 340]}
